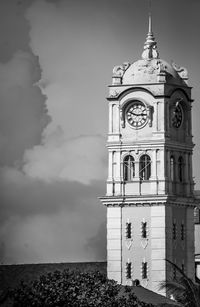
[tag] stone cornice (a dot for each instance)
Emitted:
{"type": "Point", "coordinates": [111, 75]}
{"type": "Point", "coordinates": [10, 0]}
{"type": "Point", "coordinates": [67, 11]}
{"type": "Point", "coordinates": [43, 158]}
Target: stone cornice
{"type": "Point", "coordinates": [123, 89]}
{"type": "Point", "coordinates": [153, 144]}
{"type": "Point", "coordinates": [149, 84]}
{"type": "Point", "coordinates": [148, 202]}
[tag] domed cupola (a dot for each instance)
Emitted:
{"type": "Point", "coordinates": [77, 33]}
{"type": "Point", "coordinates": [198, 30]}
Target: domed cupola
{"type": "Point", "coordinates": [150, 68]}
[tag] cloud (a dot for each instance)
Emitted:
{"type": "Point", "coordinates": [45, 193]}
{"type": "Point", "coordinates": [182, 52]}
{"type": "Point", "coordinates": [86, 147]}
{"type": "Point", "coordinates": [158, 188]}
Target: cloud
{"type": "Point", "coordinates": [51, 172]}
{"type": "Point", "coordinates": [60, 237]}
{"type": "Point", "coordinates": [49, 210]}
{"type": "Point", "coordinates": [97, 243]}
{"type": "Point", "coordinates": [80, 159]}
{"type": "Point", "coordinates": [70, 74]}
{"type": "Point", "coordinates": [22, 195]}
{"type": "Point", "coordinates": [48, 221]}
{"type": "Point", "coordinates": [23, 113]}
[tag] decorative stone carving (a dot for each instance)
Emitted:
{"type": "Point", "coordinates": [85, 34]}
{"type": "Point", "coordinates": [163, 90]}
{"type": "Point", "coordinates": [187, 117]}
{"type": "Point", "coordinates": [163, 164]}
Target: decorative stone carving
{"type": "Point", "coordinates": [161, 71]}
{"type": "Point", "coordinates": [144, 242]}
{"type": "Point", "coordinates": [113, 93]}
{"type": "Point", "coordinates": [126, 65]}
{"type": "Point", "coordinates": [119, 70]}
{"type": "Point", "coordinates": [182, 71]}
{"type": "Point", "coordinates": [129, 243]}
{"type": "Point", "coordinates": [150, 51]}
{"type": "Point", "coordinates": [161, 67]}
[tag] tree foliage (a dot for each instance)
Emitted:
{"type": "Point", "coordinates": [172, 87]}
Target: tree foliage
{"type": "Point", "coordinates": [184, 290]}
{"type": "Point", "coordinates": [74, 288]}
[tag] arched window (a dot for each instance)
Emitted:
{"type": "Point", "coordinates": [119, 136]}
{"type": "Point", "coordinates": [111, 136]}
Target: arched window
{"type": "Point", "coordinates": [172, 168]}
{"type": "Point", "coordinates": [145, 167]}
{"type": "Point", "coordinates": [180, 169]}
{"type": "Point", "coordinates": [129, 168]}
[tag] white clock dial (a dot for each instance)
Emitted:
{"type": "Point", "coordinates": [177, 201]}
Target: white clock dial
{"type": "Point", "coordinates": [136, 114]}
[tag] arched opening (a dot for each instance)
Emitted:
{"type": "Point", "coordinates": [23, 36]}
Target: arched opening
{"type": "Point", "coordinates": [129, 168]}
{"type": "Point", "coordinates": [145, 167]}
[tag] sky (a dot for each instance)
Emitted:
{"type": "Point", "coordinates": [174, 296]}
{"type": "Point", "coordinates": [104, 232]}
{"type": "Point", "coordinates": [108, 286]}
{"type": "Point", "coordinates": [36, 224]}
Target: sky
{"type": "Point", "coordinates": [56, 61]}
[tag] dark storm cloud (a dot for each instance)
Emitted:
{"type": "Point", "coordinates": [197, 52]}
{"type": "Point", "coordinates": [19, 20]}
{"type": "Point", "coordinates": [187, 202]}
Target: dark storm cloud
{"type": "Point", "coordinates": [23, 196]}
{"type": "Point", "coordinates": [49, 221]}
{"type": "Point", "coordinates": [14, 30]}
{"type": "Point", "coordinates": [23, 115]}
{"type": "Point", "coordinates": [97, 243]}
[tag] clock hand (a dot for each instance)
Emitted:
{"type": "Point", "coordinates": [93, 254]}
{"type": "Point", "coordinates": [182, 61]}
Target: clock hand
{"type": "Point", "coordinates": [134, 114]}
{"type": "Point", "coordinates": [139, 114]}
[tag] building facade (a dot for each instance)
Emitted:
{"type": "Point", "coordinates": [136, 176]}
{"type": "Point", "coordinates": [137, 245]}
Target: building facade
{"type": "Point", "coordinates": [197, 234]}
{"type": "Point", "coordinates": [149, 198]}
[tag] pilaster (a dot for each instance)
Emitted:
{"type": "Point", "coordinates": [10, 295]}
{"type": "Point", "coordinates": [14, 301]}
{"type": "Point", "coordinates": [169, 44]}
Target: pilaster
{"type": "Point", "coordinates": [158, 248]}
{"type": "Point", "coordinates": [114, 244]}
{"type": "Point", "coordinates": [190, 269]}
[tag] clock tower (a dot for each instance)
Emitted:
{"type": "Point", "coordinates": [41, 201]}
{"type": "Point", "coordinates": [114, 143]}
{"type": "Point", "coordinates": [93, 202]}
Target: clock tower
{"type": "Point", "coordinates": [150, 185]}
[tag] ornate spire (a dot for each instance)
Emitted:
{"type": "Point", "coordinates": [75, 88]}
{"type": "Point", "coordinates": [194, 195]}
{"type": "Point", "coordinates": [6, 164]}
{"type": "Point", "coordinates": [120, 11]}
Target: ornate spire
{"type": "Point", "coordinates": [150, 46]}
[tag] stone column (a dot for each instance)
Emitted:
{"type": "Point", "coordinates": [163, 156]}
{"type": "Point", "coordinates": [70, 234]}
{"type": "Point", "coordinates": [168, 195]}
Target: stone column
{"type": "Point", "coordinates": [118, 173]}
{"type": "Point", "coordinates": [161, 175]}
{"type": "Point", "coordinates": [154, 164]}
{"type": "Point", "coordinates": [110, 124]}
{"type": "Point", "coordinates": [110, 182]}
{"type": "Point", "coordinates": [156, 115]}
{"type": "Point", "coordinates": [168, 175]}
{"type": "Point", "coordinates": [110, 165]}
{"type": "Point", "coordinates": [167, 117]}
{"type": "Point", "coordinates": [137, 168]}
{"type": "Point", "coordinates": [186, 174]}
{"type": "Point", "coordinates": [117, 119]}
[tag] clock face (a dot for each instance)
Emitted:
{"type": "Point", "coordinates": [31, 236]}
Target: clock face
{"type": "Point", "coordinates": [177, 116]}
{"type": "Point", "coordinates": [136, 114]}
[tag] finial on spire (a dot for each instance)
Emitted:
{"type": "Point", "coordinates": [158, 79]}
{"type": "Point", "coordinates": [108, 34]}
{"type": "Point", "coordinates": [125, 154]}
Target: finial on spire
{"type": "Point", "coordinates": [150, 46]}
{"type": "Point", "coordinates": [150, 20]}
{"type": "Point", "coordinates": [150, 24]}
